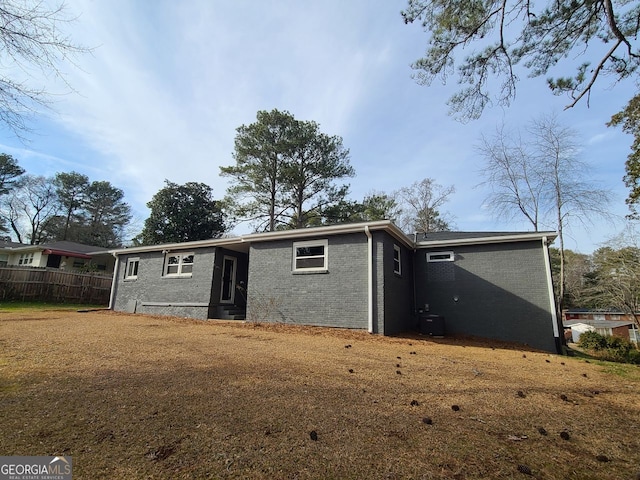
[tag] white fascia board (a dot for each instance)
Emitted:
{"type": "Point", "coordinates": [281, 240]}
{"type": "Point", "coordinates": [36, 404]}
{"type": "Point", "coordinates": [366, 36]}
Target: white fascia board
{"type": "Point", "coordinates": [385, 225]}
{"type": "Point", "coordinates": [26, 248]}
{"type": "Point", "coordinates": [214, 242]}
{"type": "Point", "coordinates": [520, 237]}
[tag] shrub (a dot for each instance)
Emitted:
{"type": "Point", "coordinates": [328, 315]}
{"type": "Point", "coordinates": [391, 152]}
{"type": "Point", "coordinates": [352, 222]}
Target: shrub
{"type": "Point", "coordinates": [592, 341]}
{"type": "Point", "coordinates": [613, 349]}
{"type": "Point", "coordinates": [634, 356]}
{"type": "Point", "coordinates": [618, 343]}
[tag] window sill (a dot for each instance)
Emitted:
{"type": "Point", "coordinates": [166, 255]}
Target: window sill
{"type": "Point", "coordinates": [309, 272]}
{"type": "Point", "coordinates": [178, 276]}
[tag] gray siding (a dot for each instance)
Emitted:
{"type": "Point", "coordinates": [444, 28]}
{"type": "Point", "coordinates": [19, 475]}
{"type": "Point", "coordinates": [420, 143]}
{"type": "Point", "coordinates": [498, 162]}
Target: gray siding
{"type": "Point", "coordinates": [496, 291]}
{"type": "Point", "coordinates": [337, 298]}
{"type": "Point", "coordinates": [152, 292]}
{"type": "Point", "coordinates": [398, 290]}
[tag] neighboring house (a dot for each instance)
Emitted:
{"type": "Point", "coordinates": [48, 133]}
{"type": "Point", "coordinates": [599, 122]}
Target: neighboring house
{"type": "Point", "coordinates": [367, 276]}
{"type": "Point", "coordinates": [63, 255]}
{"type": "Point", "coordinates": [612, 328]}
{"type": "Point", "coordinates": [604, 322]}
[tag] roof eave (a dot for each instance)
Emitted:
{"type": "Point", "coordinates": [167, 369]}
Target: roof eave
{"type": "Point", "coordinates": [521, 237]}
{"type": "Point", "coordinates": [341, 229]}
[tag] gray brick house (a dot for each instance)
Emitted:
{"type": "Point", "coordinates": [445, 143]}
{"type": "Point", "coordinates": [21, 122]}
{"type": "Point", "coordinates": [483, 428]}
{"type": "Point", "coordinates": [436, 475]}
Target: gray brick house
{"type": "Point", "coordinates": [367, 276]}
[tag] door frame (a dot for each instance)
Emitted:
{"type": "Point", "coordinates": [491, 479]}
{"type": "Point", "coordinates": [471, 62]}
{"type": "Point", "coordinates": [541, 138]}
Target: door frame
{"type": "Point", "coordinates": [232, 289]}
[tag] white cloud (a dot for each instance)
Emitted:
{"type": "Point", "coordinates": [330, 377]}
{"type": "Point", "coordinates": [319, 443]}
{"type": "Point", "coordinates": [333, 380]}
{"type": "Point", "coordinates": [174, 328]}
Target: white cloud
{"type": "Point", "coordinates": [163, 99]}
{"type": "Point", "coordinates": [169, 82]}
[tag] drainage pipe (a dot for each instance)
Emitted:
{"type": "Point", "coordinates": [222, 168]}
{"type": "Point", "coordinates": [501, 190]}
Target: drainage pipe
{"type": "Point", "coordinates": [113, 281]}
{"type": "Point", "coordinates": [370, 275]}
{"type": "Point", "coordinates": [552, 300]}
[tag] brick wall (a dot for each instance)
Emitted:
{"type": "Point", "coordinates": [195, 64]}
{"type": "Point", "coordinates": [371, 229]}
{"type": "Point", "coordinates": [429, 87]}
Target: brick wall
{"type": "Point", "coordinates": [497, 291]}
{"type": "Point", "coordinates": [398, 305]}
{"type": "Point", "coordinates": [151, 291]}
{"type": "Point", "coordinates": [337, 298]}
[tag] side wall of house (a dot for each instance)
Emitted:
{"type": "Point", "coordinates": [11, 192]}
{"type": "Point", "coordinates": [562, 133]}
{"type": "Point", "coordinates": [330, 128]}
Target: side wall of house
{"type": "Point", "coordinates": [154, 293]}
{"type": "Point", "coordinates": [497, 291]}
{"type": "Point", "coordinates": [397, 310]}
{"type": "Point", "coordinates": [38, 260]}
{"type": "Point", "coordinates": [622, 332]}
{"type": "Point", "coordinates": [335, 298]}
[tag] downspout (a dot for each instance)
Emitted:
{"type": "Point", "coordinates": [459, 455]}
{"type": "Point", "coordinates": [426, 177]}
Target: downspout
{"type": "Point", "coordinates": [552, 301]}
{"type": "Point", "coordinates": [113, 281]}
{"type": "Point", "coordinates": [370, 277]}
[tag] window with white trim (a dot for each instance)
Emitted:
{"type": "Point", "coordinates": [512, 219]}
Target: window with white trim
{"type": "Point", "coordinates": [131, 270]}
{"type": "Point", "coordinates": [397, 260]}
{"type": "Point", "coordinates": [178, 264]}
{"type": "Point", "coordinates": [78, 264]}
{"type": "Point", "coordinates": [26, 259]}
{"type": "Point", "coordinates": [440, 257]}
{"type": "Point", "coordinates": [310, 256]}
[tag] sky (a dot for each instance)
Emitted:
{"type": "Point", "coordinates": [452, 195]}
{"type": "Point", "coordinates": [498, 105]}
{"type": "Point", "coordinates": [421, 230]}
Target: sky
{"type": "Point", "coordinates": [167, 84]}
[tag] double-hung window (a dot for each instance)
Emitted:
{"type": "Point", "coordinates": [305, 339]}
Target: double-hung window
{"type": "Point", "coordinates": [131, 271]}
{"type": "Point", "coordinates": [397, 260]}
{"type": "Point", "coordinates": [310, 256]}
{"type": "Point", "coordinates": [26, 259]}
{"type": "Point", "coordinates": [178, 264]}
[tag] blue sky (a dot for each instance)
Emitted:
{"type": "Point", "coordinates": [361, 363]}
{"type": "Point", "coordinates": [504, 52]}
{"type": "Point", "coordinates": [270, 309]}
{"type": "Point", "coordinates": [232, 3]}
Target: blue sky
{"type": "Point", "coordinates": [168, 83]}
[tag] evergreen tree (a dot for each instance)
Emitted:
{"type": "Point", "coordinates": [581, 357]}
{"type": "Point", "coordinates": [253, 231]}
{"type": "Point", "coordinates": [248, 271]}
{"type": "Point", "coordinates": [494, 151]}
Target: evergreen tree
{"type": "Point", "coordinates": [285, 172]}
{"type": "Point", "coordinates": [182, 213]}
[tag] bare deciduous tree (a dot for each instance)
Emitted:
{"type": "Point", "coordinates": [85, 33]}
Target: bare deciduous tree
{"type": "Point", "coordinates": [514, 179]}
{"type": "Point", "coordinates": [31, 206]}
{"type": "Point", "coordinates": [616, 275]}
{"type": "Point", "coordinates": [31, 40]}
{"type": "Point", "coordinates": [544, 179]}
{"type": "Point", "coordinates": [421, 205]}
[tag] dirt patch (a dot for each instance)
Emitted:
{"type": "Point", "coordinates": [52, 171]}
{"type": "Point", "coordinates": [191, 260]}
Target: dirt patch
{"type": "Point", "coordinates": [132, 396]}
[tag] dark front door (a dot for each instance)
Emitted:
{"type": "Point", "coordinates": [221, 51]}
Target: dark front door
{"type": "Point", "coordinates": [53, 261]}
{"type": "Point", "coordinates": [228, 288]}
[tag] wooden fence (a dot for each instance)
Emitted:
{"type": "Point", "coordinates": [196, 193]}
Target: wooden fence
{"type": "Point", "coordinates": [52, 285]}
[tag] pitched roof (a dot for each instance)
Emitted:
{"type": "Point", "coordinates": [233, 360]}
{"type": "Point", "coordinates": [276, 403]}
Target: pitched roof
{"type": "Point", "coordinates": [243, 241]}
{"type": "Point", "coordinates": [74, 247]}
{"type": "Point", "coordinates": [61, 248]}
{"type": "Point", "coordinates": [8, 244]}
{"type": "Point", "coordinates": [443, 238]}
{"type": "Point", "coordinates": [598, 323]}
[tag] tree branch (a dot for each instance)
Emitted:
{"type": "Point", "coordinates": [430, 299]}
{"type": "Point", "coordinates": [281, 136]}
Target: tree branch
{"type": "Point", "coordinates": [596, 72]}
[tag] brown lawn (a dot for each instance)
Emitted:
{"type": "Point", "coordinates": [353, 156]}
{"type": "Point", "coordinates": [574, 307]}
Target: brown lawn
{"type": "Point", "coordinates": [131, 396]}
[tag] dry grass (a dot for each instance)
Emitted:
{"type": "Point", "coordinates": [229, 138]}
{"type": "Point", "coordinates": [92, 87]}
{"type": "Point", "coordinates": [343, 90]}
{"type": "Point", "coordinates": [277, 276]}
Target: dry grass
{"type": "Point", "coordinates": [145, 397]}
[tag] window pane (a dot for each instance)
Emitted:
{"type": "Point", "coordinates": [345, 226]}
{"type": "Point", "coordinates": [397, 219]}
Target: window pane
{"type": "Point", "coordinates": [187, 268]}
{"type": "Point", "coordinates": [310, 251]}
{"type": "Point", "coordinates": [440, 257]}
{"type": "Point", "coordinates": [310, 262]}
{"type": "Point", "coordinates": [172, 269]}
{"type": "Point", "coordinates": [187, 259]}
{"type": "Point", "coordinates": [173, 260]}
{"type": "Point", "coordinates": [132, 271]}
